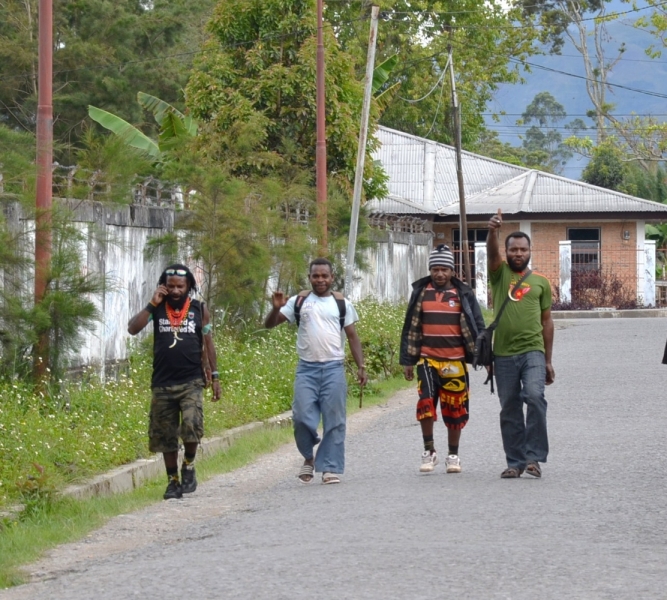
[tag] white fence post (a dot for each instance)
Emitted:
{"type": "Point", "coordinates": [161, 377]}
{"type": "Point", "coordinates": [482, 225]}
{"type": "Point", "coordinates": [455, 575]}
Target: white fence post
{"type": "Point", "coordinates": [481, 274]}
{"type": "Point", "coordinates": [649, 273]}
{"type": "Point", "coordinates": [565, 283]}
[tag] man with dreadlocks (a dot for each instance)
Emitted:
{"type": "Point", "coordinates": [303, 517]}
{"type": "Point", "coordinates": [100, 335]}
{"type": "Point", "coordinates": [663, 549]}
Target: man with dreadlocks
{"type": "Point", "coordinates": [181, 336]}
{"type": "Point", "coordinates": [441, 325]}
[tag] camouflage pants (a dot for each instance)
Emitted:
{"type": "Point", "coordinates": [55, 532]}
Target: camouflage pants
{"type": "Point", "coordinates": [176, 411]}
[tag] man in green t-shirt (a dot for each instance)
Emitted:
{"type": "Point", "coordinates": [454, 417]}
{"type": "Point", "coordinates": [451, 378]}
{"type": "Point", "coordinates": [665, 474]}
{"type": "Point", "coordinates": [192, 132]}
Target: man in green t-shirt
{"type": "Point", "coordinates": [522, 347]}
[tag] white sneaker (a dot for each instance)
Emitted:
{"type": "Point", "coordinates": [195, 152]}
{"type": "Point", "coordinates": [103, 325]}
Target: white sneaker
{"type": "Point", "coordinates": [453, 464]}
{"type": "Point", "coordinates": [428, 462]}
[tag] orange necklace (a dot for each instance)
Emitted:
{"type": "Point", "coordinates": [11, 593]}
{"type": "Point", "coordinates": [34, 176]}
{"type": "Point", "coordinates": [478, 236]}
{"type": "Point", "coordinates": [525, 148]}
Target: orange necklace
{"type": "Point", "coordinates": [176, 318]}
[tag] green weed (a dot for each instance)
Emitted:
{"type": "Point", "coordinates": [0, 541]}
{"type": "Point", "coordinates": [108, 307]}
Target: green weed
{"type": "Point", "coordinates": [88, 428]}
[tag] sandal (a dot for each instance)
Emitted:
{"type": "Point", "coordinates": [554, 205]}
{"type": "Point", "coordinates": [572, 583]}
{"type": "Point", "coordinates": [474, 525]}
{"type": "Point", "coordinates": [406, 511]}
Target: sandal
{"type": "Point", "coordinates": [328, 478]}
{"type": "Point", "coordinates": [306, 474]}
{"type": "Point", "coordinates": [533, 468]}
{"type": "Point", "coordinates": [511, 473]}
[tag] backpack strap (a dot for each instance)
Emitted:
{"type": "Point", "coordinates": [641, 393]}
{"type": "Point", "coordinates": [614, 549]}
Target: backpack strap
{"type": "Point", "coordinates": [338, 297]}
{"type": "Point", "coordinates": [342, 309]}
{"type": "Point", "coordinates": [301, 296]}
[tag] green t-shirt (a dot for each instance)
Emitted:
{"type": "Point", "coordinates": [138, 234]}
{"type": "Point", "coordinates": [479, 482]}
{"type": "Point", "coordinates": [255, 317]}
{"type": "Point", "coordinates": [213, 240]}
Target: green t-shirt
{"type": "Point", "coordinates": [520, 327]}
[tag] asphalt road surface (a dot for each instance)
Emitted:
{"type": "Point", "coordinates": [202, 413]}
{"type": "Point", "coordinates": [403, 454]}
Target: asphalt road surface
{"type": "Point", "coordinates": [593, 527]}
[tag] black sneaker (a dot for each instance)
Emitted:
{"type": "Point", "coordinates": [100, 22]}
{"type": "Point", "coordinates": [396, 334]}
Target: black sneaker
{"type": "Point", "coordinates": [174, 490]}
{"type": "Point", "coordinates": [189, 479]}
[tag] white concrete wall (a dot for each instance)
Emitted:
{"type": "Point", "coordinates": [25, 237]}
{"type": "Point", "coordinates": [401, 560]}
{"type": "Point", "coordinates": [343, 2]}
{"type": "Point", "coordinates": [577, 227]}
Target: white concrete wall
{"type": "Point", "coordinates": [396, 261]}
{"type": "Point", "coordinates": [481, 274]}
{"type": "Point", "coordinates": [565, 278]}
{"type": "Point", "coordinates": [649, 273]}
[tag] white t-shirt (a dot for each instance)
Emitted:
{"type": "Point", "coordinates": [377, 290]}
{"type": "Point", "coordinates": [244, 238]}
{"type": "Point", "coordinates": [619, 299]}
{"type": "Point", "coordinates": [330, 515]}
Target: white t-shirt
{"type": "Point", "coordinates": [320, 338]}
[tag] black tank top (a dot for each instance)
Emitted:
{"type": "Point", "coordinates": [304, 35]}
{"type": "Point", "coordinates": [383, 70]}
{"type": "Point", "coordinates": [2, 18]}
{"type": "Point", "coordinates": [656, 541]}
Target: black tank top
{"type": "Point", "coordinates": [178, 363]}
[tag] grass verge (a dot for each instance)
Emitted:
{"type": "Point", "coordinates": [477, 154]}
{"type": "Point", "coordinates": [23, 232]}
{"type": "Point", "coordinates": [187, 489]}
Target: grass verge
{"type": "Point", "coordinates": [62, 520]}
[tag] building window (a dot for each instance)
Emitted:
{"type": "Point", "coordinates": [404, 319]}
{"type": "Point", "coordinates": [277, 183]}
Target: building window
{"type": "Point", "coordinates": [474, 235]}
{"type": "Point", "coordinates": [585, 249]}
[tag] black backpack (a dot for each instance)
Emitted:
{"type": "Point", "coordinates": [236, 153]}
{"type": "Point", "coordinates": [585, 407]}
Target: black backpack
{"type": "Point", "coordinates": [340, 301]}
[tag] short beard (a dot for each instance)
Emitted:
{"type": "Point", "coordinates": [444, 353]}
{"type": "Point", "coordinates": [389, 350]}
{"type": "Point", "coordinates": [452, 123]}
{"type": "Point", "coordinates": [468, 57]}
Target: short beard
{"type": "Point", "coordinates": [177, 304]}
{"type": "Point", "coordinates": [521, 268]}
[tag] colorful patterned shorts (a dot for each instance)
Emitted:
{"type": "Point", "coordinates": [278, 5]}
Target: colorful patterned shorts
{"type": "Point", "coordinates": [445, 381]}
{"type": "Point", "coordinates": [176, 411]}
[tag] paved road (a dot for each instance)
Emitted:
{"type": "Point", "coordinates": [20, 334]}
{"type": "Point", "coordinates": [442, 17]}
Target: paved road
{"type": "Point", "coordinates": [593, 527]}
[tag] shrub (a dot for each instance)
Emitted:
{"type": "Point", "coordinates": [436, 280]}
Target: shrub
{"type": "Point", "coordinates": [597, 288]}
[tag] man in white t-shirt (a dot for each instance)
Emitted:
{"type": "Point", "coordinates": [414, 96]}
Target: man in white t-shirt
{"type": "Point", "coordinates": [320, 388]}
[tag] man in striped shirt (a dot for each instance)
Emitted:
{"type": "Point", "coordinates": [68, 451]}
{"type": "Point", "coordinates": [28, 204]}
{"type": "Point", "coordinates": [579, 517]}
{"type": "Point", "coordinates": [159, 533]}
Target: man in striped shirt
{"type": "Point", "coordinates": [441, 324]}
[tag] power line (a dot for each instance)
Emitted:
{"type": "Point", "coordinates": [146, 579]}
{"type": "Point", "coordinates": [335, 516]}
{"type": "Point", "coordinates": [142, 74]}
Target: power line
{"type": "Point", "coordinates": [442, 76]}
{"type": "Point", "coordinates": [616, 85]}
{"type": "Point", "coordinates": [613, 15]}
{"type": "Point", "coordinates": [621, 59]}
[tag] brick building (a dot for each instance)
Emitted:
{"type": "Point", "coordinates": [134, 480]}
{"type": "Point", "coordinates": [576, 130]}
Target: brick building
{"type": "Point", "coordinates": [603, 230]}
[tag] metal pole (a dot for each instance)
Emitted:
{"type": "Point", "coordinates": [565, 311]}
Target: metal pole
{"type": "Point", "coordinates": [321, 147]}
{"type": "Point", "coordinates": [43, 200]}
{"type": "Point", "coordinates": [361, 151]}
{"type": "Point", "coordinates": [459, 175]}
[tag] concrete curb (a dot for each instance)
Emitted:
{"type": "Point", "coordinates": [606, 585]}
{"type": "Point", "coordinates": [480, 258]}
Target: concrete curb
{"type": "Point", "coordinates": [133, 475]}
{"type": "Point", "coordinates": [610, 313]}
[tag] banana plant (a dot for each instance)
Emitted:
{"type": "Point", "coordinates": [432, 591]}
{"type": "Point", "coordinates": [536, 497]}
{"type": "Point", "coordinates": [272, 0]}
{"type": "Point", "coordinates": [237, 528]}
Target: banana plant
{"type": "Point", "coordinates": [174, 126]}
{"type": "Point", "coordinates": [381, 75]}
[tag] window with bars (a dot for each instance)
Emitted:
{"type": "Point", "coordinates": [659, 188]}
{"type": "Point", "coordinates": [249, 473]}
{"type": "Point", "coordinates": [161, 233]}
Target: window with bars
{"type": "Point", "coordinates": [474, 235]}
{"type": "Point", "coordinates": [585, 249]}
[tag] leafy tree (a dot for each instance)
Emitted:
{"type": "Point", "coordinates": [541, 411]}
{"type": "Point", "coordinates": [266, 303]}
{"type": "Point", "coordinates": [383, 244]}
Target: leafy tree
{"type": "Point", "coordinates": [609, 167]}
{"type": "Point", "coordinates": [17, 158]}
{"type": "Point", "coordinates": [606, 168]}
{"type": "Point", "coordinates": [491, 146]}
{"type": "Point", "coordinates": [656, 24]}
{"type": "Point", "coordinates": [243, 231]}
{"type": "Point", "coordinates": [257, 72]}
{"type": "Point", "coordinates": [642, 139]}
{"type": "Point", "coordinates": [584, 24]}
{"type": "Point", "coordinates": [543, 143]}
{"type": "Point", "coordinates": [484, 37]}
{"type": "Point", "coordinates": [66, 311]}
{"type": "Point", "coordinates": [643, 184]}
{"type": "Point", "coordinates": [103, 51]}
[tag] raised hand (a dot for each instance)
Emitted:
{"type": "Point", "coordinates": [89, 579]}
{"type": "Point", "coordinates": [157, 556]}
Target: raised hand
{"type": "Point", "coordinates": [496, 221]}
{"type": "Point", "coordinates": [278, 299]}
{"type": "Point", "coordinates": [159, 295]}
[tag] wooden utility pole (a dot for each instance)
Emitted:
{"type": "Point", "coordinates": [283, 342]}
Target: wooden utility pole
{"type": "Point", "coordinates": [321, 146]}
{"type": "Point", "coordinates": [456, 113]}
{"type": "Point", "coordinates": [44, 200]}
{"type": "Point", "coordinates": [361, 151]}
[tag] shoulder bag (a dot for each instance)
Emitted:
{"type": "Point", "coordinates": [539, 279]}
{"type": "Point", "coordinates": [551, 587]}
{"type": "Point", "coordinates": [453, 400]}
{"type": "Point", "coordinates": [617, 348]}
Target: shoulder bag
{"type": "Point", "coordinates": [483, 352]}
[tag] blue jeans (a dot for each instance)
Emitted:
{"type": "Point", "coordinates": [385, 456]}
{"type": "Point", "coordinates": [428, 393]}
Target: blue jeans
{"type": "Point", "coordinates": [521, 379]}
{"type": "Point", "coordinates": [320, 390]}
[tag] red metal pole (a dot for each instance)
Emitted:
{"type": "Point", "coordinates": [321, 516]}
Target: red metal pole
{"type": "Point", "coordinates": [43, 201]}
{"type": "Point", "coordinates": [321, 147]}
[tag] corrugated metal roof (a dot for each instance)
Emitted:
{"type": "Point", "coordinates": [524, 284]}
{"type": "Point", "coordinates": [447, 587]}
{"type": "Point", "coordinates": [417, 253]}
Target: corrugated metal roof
{"type": "Point", "coordinates": [538, 192]}
{"type": "Point", "coordinates": [424, 172]}
{"type": "Point", "coordinates": [395, 205]}
{"type": "Point", "coordinates": [422, 179]}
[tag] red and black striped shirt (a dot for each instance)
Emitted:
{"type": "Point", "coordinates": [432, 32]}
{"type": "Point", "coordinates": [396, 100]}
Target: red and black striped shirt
{"type": "Point", "coordinates": [441, 324]}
